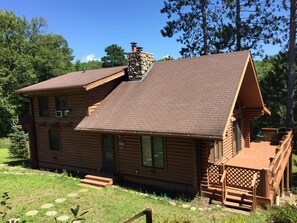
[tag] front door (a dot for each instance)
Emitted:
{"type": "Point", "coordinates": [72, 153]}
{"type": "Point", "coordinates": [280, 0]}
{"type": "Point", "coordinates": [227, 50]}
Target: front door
{"type": "Point", "coordinates": [108, 153]}
{"type": "Point", "coordinates": [236, 136]}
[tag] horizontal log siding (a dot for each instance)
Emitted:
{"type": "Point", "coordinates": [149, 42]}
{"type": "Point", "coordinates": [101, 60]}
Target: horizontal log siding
{"type": "Point", "coordinates": [178, 163]}
{"type": "Point", "coordinates": [78, 149]}
{"type": "Point", "coordinates": [76, 103]}
{"type": "Point", "coordinates": [203, 162]}
{"type": "Point", "coordinates": [228, 143]}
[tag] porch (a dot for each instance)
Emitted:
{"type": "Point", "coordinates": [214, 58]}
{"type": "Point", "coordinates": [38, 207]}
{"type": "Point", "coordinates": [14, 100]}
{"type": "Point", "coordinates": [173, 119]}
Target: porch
{"type": "Point", "coordinates": [254, 176]}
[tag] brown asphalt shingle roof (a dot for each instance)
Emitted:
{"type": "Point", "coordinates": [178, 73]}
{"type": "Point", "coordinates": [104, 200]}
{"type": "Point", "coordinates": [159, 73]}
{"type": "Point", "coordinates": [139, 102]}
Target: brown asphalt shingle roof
{"type": "Point", "coordinates": [72, 80]}
{"type": "Point", "coordinates": [187, 96]}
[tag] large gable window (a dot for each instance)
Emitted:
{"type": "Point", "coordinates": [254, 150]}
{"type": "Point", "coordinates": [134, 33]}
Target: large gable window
{"type": "Point", "coordinates": [152, 151]}
{"type": "Point", "coordinates": [43, 106]}
{"type": "Point", "coordinates": [54, 139]}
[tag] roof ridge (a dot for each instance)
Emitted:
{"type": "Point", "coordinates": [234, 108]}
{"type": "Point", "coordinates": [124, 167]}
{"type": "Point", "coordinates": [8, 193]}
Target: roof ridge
{"type": "Point", "coordinates": [205, 56]}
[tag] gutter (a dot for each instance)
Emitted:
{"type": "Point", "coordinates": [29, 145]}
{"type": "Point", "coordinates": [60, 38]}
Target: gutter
{"type": "Point", "coordinates": [198, 136]}
{"type": "Point", "coordinates": [34, 130]}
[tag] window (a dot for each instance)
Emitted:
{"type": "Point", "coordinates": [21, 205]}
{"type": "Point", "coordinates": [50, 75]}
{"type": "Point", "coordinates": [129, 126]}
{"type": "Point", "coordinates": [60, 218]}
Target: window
{"type": "Point", "coordinates": [152, 151]}
{"type": "Point", "coordinates": [216, 151]}
{"type": "Point", "coordinates": [54, 139]}
{"type": "Point", "coordinates": [61, 103]}
{"type": "Point", "coordinates": [43, 106]}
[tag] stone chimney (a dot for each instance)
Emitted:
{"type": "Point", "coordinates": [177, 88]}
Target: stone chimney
{"type": "Point", "coordinates": [139, 62]}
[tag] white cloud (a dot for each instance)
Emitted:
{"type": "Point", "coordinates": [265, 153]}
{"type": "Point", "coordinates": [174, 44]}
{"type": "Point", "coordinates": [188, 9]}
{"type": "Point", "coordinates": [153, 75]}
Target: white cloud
{"type": "Point", "coordinates": [89, 57]}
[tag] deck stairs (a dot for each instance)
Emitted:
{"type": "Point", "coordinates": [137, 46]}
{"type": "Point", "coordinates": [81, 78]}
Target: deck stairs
{"type": "Point", "coordinates": [97, 181]}
{"type": "Point", "coordinates": [235, 198]}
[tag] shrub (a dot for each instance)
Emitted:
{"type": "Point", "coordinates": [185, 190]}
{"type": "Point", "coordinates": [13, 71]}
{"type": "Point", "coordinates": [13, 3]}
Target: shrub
{"type": "Point", "coordinates": [18, 144]}
{"type": "Point", "coordinates": [4, 143]}
{"type": "Point", "coordinates": [285, 214]}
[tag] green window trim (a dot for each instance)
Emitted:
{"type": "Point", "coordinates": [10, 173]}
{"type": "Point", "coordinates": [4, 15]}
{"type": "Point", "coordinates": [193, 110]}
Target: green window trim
{"type": "Point", "coordinates": [152, 152]}
{"type": "Point", "coordinates": [54, 136]}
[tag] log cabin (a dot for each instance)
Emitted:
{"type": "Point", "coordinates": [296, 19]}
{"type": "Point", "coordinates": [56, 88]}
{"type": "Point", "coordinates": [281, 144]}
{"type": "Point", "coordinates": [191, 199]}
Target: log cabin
{"type": "Point", "coordinates": [183, 125]}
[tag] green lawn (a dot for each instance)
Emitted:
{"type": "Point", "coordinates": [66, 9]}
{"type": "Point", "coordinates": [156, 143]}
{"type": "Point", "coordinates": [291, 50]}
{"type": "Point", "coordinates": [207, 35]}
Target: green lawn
{"type": "Point", "coordinates": [30, 189]}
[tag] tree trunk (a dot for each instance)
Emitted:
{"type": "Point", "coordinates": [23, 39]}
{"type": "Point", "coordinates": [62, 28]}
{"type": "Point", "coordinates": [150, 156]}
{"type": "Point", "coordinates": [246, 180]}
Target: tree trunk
{"type": "Point", "coordinates": [291, 70]}
{"type": "Point", "coordinates": [238, 26]}
{"type": "Point", "coordinates": [204, 28]}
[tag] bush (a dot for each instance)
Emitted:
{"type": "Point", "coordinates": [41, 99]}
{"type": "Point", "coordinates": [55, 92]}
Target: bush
{"type": "Point", "coordinates": [18, 144]}
{"type": "Point", "coordinates": [4, 143]}
{"type": "Point", "coordinates": [285, 214]}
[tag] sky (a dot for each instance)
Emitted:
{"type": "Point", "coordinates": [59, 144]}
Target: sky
{"type": "Point", "coordinates": [89, 26]}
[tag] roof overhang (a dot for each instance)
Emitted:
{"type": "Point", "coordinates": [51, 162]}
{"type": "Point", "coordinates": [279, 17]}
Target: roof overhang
{"type": "Point", "coordinates": [172, 134]}
{"type": "Point", "coordinates": [86, 87]}
{"type": "Point", "coordinates": [248, 91]}
{"type": "Point", "coordinates": [104, 80]}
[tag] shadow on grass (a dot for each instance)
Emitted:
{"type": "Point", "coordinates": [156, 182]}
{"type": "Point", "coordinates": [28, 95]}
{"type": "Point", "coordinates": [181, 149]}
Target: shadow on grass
{"type": "Point", "coordinates": [26, 163]}
{"type": "Point", "coordinates": [153, 190]}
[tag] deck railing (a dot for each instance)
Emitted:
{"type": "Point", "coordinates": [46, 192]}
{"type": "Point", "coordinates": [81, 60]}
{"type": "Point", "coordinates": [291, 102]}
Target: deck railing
{"type": "Point", "coordinates": [259, 181]}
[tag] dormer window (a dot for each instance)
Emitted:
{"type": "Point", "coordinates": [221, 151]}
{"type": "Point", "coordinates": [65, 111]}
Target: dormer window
{"type": "Point", "coordinates": [43, 106]}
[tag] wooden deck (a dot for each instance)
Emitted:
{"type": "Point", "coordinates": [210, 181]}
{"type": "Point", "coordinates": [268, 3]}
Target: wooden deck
{"type": "Point", "coordinates": [256, 157]}
{"type": "Point", "coordinates": [255, 175]}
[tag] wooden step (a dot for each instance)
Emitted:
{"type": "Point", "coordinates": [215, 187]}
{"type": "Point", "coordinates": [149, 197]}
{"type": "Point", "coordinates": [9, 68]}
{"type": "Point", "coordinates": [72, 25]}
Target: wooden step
{"type": "Point", "coordinates": [239, 194]}
{"type": "Point", "coordinates": [102, 179]}
{"type": "Point", "coordinates": [238, 199]}
{"type": "Point", "coordinates": [95, 183]}
{"type": "Point", "coordinates": [236, 205]}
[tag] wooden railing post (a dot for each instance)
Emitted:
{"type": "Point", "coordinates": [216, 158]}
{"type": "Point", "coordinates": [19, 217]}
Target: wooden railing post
{"type": "Point", "coordinates": [254, 187]}
{"type": "Point", "coordinates": [266, 182]}
{"type": "Point", "coordinates": [148, 215]}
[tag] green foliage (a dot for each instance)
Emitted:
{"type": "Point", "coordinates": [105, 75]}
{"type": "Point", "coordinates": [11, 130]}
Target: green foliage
{"type": "Point", "coordinates": [285, 214]}
{"type": "Point", "coordinates": [4, 205]}
{"type": "Point", "coordinates": [195, 22]}
{"type": "Point", "coordinates": [90, 65]}
{"type": "Point", "coordinates": [27, 55]}
{"type": "Point", "coordinates": [115, 56]}
{"type": "Point", "coordinates": [223, 25]}
{"type": "Point", "coordinates": [18, 146]}
{"type": "Point", "coordinates": [76, 215]}
{"type": "Point", "coordinates": [272, 73]}
{"type": "Point", "coordinates": [4, 143]}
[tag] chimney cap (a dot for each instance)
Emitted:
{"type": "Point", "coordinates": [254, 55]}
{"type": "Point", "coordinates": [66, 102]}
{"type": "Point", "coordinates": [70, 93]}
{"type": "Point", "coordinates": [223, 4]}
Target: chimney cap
{"type": "Point", "coordinates": [133, 43]}
{"type": "Point", "coordinates": [139, 48]}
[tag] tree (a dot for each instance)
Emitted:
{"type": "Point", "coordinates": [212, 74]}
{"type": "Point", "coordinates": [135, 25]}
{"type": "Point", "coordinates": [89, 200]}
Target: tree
{"type": "Point", "coordinates": [82, 66]}
{"type": "Point", "coordinates": [210, 26]}
{"type": "Point", "coordinates": [27, 55]}
{"type": "Point", "coordinates": [19, 144]}
{"type": "Point", "coordinates": [250, 24]}
{"type": "Point", "coordinates": [115, 56]}
{"type": "Point", "coordinates": [195, 21]}
{"type": "Point", "coordinates": [291, 78]}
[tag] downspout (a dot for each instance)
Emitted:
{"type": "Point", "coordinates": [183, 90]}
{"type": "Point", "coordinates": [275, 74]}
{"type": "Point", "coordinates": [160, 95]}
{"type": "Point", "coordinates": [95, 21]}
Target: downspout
{"type": "Point", "coordinates": [35, 162]}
